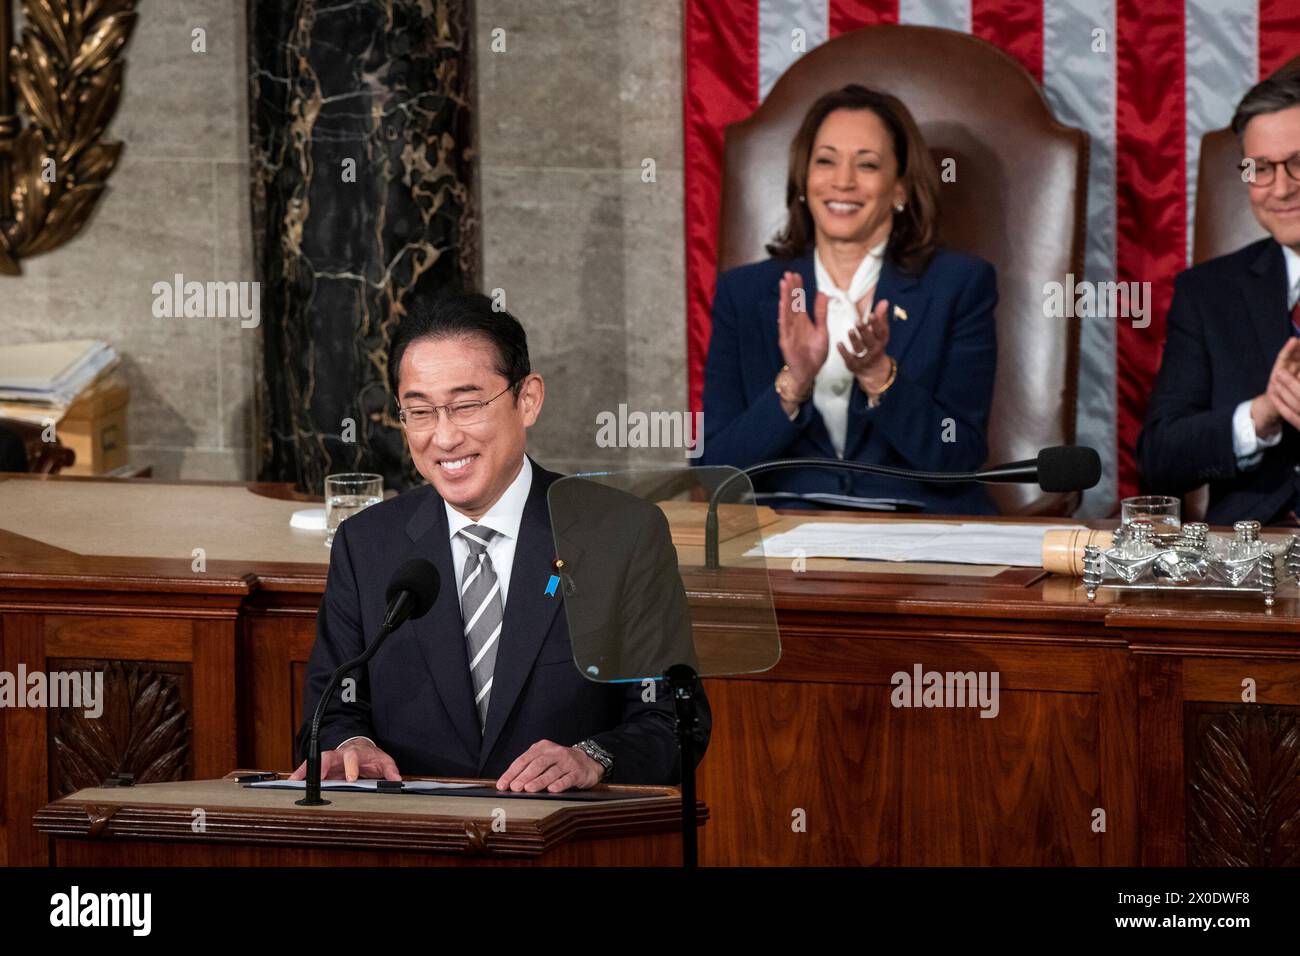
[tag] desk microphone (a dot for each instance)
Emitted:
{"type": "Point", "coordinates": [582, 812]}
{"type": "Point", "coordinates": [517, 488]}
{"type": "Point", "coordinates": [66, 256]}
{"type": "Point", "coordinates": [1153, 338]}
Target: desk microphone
{"type": "Point", "coordinates": [411, 592]}
{"type": "Point", "coordinates": [1057, 469]}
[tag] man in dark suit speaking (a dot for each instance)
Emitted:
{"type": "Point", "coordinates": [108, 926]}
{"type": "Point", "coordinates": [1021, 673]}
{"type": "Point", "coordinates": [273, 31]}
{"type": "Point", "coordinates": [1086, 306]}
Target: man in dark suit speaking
{"type": "Point", "coordinates": [484, 685]}
{"type": "Point", "coordinates": [1226, 405]}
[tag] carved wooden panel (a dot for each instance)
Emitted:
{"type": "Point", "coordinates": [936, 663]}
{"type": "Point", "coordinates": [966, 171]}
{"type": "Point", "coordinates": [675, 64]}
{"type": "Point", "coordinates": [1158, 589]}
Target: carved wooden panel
{"type": "Point", "coordinates": [1243, 784]}
{"type": "Point", "coordinates": [145, 728]}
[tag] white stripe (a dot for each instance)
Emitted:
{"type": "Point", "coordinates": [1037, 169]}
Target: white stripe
{"type": "Point", "coordinates": [470, 580]}
{"type": "Point", "coordinates": [787, 29]}
{"type": "Point", "coordinates": [496, 586]}
{"type": "Point", "coordinates": [484, 649]}
{"type": "Point", "coordinates": [1080, 87]}
{"type": "Point", "coordinates": [950, 14]}
{"type": "Point", "coordinates": [1221, 62]}
{"type": "Point", "coordinates": [474, 537]}
{"type": "Point", "coordinates": [486, 687]}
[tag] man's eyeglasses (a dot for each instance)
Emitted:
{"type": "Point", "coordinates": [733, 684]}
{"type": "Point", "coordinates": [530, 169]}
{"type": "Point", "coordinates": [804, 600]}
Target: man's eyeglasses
{"type": "Point", "coordinates": [419, 418]}
{"type": "Point", "coordinates": [1262, 172]}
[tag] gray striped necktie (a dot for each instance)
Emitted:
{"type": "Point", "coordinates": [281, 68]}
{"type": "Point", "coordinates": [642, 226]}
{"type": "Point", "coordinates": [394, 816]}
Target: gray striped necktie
{"type": "Point", "coordinates": [481, 611]}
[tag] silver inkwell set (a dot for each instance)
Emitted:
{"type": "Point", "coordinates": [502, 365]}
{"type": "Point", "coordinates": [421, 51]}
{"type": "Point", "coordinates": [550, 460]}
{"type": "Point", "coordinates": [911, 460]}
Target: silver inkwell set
{"type": "Point", "coordinates": [1145, 556]}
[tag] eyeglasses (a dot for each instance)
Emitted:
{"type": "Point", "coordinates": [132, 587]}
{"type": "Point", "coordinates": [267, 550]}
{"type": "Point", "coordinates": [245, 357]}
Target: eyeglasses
{"type": "Point", "coordinates": [1262, 172]}
{"type": "Point", "coordinates": [420, 418]}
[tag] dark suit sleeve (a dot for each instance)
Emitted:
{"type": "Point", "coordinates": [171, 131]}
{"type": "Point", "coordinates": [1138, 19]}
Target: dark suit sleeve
{"type": "Point", "coordinates": [736, 432]}
{"type": "Point", "coordinates": [656, 633]}
{"type": "Point", "coordinates": [1185, 442]}
{"type": "Point", "coordinates": [338, 639]}
{"type": "Point", "coordinates": [913, 417]}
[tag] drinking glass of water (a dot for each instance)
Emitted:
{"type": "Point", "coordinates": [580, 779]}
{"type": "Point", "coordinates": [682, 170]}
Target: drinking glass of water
{"type": "Point", "coordinates": [1162, 511]}
{"type": "Point", "coordinates": [347, 494]}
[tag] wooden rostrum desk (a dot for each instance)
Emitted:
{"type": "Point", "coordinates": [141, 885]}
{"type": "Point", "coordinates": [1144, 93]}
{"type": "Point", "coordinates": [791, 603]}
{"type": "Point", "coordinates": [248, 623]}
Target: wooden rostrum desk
{"type": "Point", "coordinates": [1121, 736]}
{"type": "Point", "coordinates": [221, 823]}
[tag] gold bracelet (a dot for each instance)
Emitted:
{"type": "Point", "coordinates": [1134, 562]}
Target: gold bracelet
{"type": "Point", "coordinates": [782, 395]}
{"type": "Point", "coordinates": [893, 373]}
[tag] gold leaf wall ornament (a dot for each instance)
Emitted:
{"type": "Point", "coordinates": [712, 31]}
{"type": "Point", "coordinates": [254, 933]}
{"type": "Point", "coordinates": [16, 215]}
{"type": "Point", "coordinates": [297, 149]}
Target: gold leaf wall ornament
{"type": "Point", "coordinates": [67, 72]}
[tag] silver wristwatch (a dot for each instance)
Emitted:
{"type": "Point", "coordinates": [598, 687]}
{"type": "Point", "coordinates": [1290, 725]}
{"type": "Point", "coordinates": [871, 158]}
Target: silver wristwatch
{"type": "Point", "coordinates": [599, 754]}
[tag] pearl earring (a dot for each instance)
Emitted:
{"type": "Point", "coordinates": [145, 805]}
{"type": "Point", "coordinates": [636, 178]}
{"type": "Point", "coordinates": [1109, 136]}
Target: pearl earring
{"type": "Point", "coordinates": [803, 199]}
{"type": "Point", "coordinates": [898, 208]}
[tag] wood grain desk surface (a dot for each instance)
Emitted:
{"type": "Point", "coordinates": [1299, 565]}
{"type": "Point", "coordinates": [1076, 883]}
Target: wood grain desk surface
{"type": "Point", "coordinates": [226, 793]}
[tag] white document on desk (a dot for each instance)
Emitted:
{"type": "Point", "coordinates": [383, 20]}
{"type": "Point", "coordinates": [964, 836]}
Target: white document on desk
{"type": "Point", "coordinates": [1018, 545]}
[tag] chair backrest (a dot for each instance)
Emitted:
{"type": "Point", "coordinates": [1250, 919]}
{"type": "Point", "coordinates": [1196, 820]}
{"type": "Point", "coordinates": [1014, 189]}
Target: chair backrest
{"type": "Point", "coordinates": [1019, 200]}
{"type": "Point", "coordinates": [43, 457]}
{"type": "Point", "coordinates": [1223, 223]}
{"type": "Point", "coordinates": [1223, 219]}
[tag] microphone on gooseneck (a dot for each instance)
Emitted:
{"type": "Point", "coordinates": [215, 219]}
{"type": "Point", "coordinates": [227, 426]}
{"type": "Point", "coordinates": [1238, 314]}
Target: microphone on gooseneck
{"type": "Point", "coordinates": [1063, 468]}
{"type": "Point", "coordinates": [411, 592]}
{"type": "Point", "coordinates": [1058, 469]}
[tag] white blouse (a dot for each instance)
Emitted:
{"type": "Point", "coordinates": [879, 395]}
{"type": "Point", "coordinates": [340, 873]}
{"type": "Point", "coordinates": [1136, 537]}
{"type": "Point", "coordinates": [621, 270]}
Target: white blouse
{"type": "Point", "coordinates": [834, 382]}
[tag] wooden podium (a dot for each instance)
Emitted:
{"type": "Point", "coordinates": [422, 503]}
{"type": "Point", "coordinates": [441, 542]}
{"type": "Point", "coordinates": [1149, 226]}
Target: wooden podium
{"type": "Point", "coordinates": [223, 823]}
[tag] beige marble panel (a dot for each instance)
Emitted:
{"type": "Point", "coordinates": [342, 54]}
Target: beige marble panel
{"type": "Point", "coordinates": [239, 355]}
{"type": "Point", "coordinates": [196, 464]}
{"type": "Point", "coordinates": [557, 252]}
{"type": "Point", "coordinates": [154, 222]}
{"type": "Point", "coordinates": [580, 83]}
{"type": "Point", "coordinates": [552, 97]}
{"type": "Point", "coordinates": [179, 103]}
{"type": "Point", "coordinates": [590, 254]}
{"type": "Point", "coordinates": [654, 300]}
{"type": "Point", "coordinates": [650, 83]}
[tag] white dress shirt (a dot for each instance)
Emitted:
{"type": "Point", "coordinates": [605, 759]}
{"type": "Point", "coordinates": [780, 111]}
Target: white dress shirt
{"type": "Point", "coordinates": [503, 518]}
{"type": "Point", "coordinates": [1246, 444]}
{"type": "Point", "coordinates": [834, 383]}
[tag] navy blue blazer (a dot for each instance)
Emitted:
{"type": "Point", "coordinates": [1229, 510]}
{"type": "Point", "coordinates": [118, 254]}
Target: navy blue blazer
{"type": "Point", "coordinates": [1226, 324]}
{"type": "Point", "coordinates": [415, 698]}
{"type": "Point", "coordinates": [946, 352]}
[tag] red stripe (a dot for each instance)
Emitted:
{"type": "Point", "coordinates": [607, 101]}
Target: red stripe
{"type": "Point", "coordinates": [721, 59]}
{"type": "Point", "coordinates": [1279, 34]}
{"type": "Point", "coordinates": [1013, 26]}
{"type": "Point", "coordinates": [846, 15]}
{"type": "Point", "coordinates": [1151, 197]}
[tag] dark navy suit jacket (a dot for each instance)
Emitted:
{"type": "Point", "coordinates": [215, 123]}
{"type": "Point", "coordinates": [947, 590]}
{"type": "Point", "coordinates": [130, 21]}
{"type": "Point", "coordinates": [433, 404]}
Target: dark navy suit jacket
{"type": "Point", "coordinates": [415, 698]}
{"type": "Point", "coordinates": [946, 352]}
{"type": "Point", "coordinates": [1227, 322]}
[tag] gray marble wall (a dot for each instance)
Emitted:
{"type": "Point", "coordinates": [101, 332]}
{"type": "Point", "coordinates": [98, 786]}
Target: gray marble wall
{"type": "Point", "coordinates": [590, 257]}
{"type": "Point", "coordinates": [178, 202]}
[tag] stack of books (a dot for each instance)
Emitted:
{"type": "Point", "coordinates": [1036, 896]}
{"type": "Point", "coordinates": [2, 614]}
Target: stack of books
{"type": "Point", "coordinates": [41, 379]}
{"type": "Point", "coordinates": [78, 385]}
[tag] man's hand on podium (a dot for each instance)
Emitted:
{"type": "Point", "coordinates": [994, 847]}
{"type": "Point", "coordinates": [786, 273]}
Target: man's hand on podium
{"type": "Point", "coordinates": [551, 767]}
{"type": "Point", "coordinates": [354, 758]}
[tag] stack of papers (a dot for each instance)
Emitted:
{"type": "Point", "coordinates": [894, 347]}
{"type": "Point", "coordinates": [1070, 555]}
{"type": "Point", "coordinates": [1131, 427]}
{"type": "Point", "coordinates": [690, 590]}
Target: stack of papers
{"type": "Point", "coordinates": [775, 500]}
{"type": "Point", "coordinates": [44, 378]}
{"type": "Point", "coordinates": [410, 786]}
{"type": "Point", "coordinates": [1017, 545]}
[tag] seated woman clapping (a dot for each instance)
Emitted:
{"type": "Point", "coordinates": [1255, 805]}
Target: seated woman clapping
{"type": "Point", "coordinates": [859, 338]}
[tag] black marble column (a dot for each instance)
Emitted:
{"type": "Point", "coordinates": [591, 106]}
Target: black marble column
{"type": "Point", "coordinates": [362, 155]}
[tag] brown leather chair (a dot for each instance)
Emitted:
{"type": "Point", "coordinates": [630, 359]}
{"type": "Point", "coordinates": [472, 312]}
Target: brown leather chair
{"type": "Point", "coordinates": [1019, 201]}
{"type": "Point", "coordinates": [1223, 223]}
